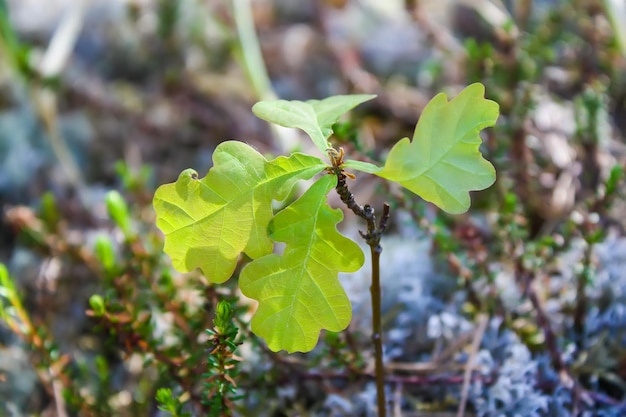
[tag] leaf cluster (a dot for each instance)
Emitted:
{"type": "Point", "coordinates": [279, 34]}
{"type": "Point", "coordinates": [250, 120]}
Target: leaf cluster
{"type": "Point", "coordinates": [209, 222]}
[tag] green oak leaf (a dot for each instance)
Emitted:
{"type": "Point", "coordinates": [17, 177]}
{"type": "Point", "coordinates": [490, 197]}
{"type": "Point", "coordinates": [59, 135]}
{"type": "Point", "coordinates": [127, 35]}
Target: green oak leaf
{"type": "Point", "coordinates": [330, 109]}
{"type": "Point", "coordinates": [208, 222]}
{"type": "Point", "coordinates": [315, 117]}
{"type": "Point", "coordinates": [442, 163]}
{"type": "Point", "coordinates": [299, 291]}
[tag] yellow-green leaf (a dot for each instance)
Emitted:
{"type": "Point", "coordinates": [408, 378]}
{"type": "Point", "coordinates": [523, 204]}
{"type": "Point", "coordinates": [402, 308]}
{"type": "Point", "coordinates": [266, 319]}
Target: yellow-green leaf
{"type": "Point", "coordinates": [208, 222]}
{"type": "Point", "coordinates": [442, 163]}
{"type": "Point", "coordinates": [299, 291]}
{"type": "Point", "coordinates": [315, 117]}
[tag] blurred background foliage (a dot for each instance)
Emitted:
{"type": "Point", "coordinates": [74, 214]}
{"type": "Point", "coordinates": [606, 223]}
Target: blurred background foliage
{"type": "Point", "coordinates": [516, 309]}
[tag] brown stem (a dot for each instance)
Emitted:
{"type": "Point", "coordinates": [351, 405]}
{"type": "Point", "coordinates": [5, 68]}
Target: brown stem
{"type": "Point", "coordinates": [527, 279]}
{"type": "Point", "coordinates": [580, 311]}
{"type": "Point", "coordinates": [372, 237]}
{"type": "Point", "coordinates": [377, 335]}
{"type": "Point", "coordinates": [551, 342]}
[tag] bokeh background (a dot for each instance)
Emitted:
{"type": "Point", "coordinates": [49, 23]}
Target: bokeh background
{"type": "Point", "coordinates": [517, 308]}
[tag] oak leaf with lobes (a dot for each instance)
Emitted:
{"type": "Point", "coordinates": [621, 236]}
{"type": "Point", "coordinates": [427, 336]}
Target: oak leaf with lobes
{"type": "Point", "coordinates": [443, 163]}
{"type": "Point", "coordinates": [299, 292]}
{"type": "Point", "coordinates": [315, 117]}
{"type": "Point", "coordinates": [208, 222]}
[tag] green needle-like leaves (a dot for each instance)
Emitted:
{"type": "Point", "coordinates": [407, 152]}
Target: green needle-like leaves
{"type": "Point", "coordinates": [443, 162]}
{"type": "Point", "coordinates": [299, 292]}
{"type": "Point", "coordinates": [208, 222]}
{"type": "Point", "coordinates": [315, 117]}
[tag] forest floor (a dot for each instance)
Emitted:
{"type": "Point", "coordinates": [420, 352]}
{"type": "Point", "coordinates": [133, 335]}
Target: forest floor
{"type": "Point", "coordinates": [517, 308]}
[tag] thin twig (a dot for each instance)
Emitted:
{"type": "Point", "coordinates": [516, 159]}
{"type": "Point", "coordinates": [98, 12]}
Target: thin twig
{"type": "Point", "coordinates": [527, 277]}
{"type": "Point", "coordinates": [467, 375]}
{"type": "Point", "coordinates": [377, 336]}
{"type": "Point", "coordinates": [413, 380]}
{"type": "Point", "coordinates": [372, 237]}
{"type": "Point", "coordinates": [580, 310]}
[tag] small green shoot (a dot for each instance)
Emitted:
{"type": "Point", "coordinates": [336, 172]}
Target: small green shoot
{"type": "Point", "coordinates": [220, 386]}
{"type": "Point", "coordinates": [170, 404]}
{"type": "Point", "coordinates": [118, 211]}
